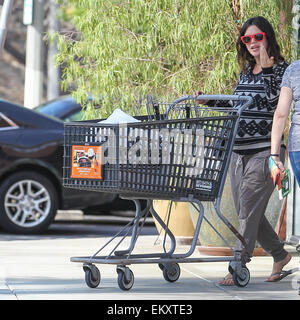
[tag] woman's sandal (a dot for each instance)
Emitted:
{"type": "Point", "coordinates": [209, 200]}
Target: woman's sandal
{"type": "Point", "coordinates": [277, 276]}
{"type": "Point", "coordinates": [281, 275]}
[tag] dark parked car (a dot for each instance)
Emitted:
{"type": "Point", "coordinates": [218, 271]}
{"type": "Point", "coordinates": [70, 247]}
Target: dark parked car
{"type": "Point", "coordinates": [64, 108]}
{"type": "Point", "coordinates": [67, 109]}
{"type": "Point", "coordinates": [31, 159]}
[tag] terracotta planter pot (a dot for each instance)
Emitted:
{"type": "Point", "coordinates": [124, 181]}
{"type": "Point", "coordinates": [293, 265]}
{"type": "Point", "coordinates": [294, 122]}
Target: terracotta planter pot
{"type": "Point", "coordinates": [223, 251]}
{"type": "Point", "coordinates": [209, 239]}
{"type": "Point", "coordinates": [180, 222]}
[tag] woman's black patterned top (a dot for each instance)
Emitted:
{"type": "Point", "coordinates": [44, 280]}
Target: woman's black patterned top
{"type": "Point", "coordinates": [254, 132]}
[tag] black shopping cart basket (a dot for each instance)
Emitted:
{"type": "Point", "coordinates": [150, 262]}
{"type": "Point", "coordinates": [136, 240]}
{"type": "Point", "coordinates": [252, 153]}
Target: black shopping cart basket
{"type": "Point", "coordinates": [179, 151]}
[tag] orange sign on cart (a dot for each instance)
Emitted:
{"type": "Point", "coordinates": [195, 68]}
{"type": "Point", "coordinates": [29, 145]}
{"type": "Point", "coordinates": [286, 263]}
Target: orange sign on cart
{"type": "Point", "coordinates": [86, 162]}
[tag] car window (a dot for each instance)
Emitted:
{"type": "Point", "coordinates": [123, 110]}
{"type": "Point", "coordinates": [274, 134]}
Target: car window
{"type": "Point", "coordinates": [77, 116]}
{"type": "Point", "coordinates": [6, 123]}
{"type": "Point", "coordinates": [56, 107]}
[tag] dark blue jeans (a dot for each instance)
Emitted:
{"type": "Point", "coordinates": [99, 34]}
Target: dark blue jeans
{"type": "Point", "coordinates": [294, 157]}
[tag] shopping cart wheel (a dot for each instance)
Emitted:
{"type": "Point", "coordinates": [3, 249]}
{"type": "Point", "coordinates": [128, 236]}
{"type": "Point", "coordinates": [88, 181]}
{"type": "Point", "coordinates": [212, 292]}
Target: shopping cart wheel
{"type": "Point", "coordinates": [92, 275]}
{"type": "Point", "coordinates": [125, 278]}
{"type": "Point", "coordinates": [171, 271]}
{"type": "Point", "coordinates": [243, 278]}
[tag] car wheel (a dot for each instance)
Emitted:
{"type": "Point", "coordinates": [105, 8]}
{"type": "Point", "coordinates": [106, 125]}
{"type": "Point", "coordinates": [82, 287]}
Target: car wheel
{"type": "Point", "coordinates": [28, 203]}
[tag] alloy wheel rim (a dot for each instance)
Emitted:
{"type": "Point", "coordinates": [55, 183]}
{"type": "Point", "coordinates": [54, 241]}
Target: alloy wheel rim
{"type": "Point", "coordinates": [27, 203]}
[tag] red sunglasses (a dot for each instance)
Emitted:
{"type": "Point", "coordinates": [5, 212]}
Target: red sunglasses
{"type": "Point", "coordinates": [257, 36]}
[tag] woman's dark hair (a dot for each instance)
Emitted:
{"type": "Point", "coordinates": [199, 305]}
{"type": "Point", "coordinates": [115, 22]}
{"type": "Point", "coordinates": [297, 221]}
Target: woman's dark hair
{"type": "Point", "coordinates": [245, 59]}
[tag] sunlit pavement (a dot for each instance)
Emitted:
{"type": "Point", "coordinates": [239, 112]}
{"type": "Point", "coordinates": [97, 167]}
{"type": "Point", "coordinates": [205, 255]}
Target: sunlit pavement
{"type": "Point", "coordinates": [39, 268]}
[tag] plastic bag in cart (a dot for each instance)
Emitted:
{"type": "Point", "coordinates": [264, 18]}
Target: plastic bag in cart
{"type": "Point", "coordinates": [119, 116]}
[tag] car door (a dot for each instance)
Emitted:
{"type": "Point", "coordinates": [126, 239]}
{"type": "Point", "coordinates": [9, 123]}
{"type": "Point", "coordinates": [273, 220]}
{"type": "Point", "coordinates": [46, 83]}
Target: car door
{"type": "Point", "coordinates": [9, 135]}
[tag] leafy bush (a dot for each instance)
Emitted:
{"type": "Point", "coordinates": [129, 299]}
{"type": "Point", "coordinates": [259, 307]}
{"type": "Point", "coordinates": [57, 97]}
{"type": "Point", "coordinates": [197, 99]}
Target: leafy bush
{"type": "Point", "coordinates": [125, 49]}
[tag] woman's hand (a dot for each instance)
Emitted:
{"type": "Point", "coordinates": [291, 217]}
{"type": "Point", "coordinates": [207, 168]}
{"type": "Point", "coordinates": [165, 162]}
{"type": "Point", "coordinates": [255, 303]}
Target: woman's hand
{"type": "Point", "coordinates": [265, 60]}
{"type": "Point", "coordinates": [198, 93]}
{"type": "Point", "coordinates": [280, 165]}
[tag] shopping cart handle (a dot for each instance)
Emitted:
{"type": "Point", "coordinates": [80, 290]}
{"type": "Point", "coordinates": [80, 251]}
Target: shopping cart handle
{"type": "Point", "coordinates": [248, 100]}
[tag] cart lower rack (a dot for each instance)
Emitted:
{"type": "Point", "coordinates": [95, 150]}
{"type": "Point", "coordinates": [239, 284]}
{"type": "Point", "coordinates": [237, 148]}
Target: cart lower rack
{"type": "Point", "coordinates": [181, 154]}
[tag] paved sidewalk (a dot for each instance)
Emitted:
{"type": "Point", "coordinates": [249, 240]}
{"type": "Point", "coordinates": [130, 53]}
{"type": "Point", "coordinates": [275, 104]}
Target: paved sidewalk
{"type": "Point", "coordinates": [39, 268]}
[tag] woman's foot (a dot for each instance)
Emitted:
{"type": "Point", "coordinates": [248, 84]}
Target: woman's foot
{"type": "Point", "coordinates": [277, 273]}
{"type": "Point", "coordinates": [227, 280]}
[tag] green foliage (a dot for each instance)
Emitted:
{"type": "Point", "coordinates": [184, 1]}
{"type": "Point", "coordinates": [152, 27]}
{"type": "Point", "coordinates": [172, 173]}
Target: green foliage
{"type": "Point", "coordinates": [125, 49]}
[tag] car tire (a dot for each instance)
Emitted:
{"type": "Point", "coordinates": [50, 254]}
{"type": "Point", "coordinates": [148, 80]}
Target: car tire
{"type": "Point", "coordinates": [28, 203]}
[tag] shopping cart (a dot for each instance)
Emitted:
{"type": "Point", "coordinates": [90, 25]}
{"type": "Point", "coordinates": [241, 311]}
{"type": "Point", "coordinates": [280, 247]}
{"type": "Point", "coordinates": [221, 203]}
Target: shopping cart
{"type": "Point", "coordinates": [179, 151]}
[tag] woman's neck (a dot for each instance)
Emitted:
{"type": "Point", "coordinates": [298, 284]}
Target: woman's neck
{"type": "Point", "coordinates": [257, 67]}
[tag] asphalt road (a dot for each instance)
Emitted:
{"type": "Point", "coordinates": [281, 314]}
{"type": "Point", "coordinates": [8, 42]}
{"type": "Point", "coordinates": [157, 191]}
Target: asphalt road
{"type": "Point", "coordinates": [72, 224]}
{"type": "Point", "coordinates": [100, 228]}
